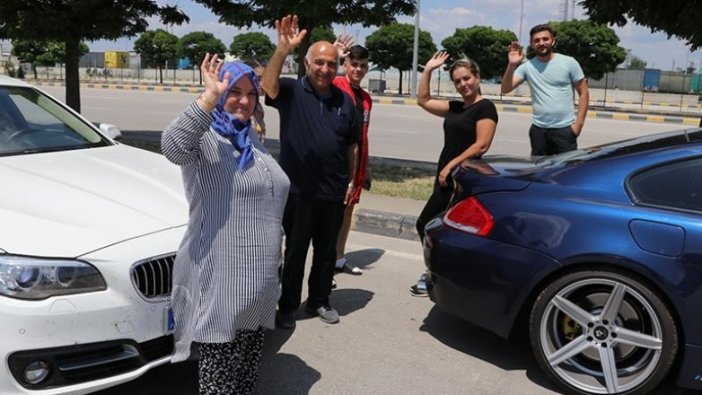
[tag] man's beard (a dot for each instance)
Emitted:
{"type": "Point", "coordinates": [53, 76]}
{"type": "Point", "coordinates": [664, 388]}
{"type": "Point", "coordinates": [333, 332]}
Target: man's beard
{"type": "Point", "coordinates": [546, 52]}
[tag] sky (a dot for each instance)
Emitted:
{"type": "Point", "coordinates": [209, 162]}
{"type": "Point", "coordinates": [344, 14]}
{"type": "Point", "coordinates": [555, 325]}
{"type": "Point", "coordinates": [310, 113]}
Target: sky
{"type": "Point", "coordinates": [442, 17]}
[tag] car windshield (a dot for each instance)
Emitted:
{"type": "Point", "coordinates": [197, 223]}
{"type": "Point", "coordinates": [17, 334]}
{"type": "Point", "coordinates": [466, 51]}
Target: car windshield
{"type": "Point", "coordinates": [32, 122]}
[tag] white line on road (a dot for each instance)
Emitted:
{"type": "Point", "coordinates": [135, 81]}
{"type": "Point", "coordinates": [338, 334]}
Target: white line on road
{"type": "Point", "coordinates": [396, 254]}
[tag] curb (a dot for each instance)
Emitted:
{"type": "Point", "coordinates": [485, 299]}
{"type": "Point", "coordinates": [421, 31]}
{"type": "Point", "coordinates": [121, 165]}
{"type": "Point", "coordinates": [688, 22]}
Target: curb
{"type": "Point", "coordinates": [385, 224]}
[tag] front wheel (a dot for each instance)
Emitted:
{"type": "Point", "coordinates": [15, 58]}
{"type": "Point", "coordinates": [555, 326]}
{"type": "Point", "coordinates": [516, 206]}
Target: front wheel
{"type": "Point", "coordinates": [602, 332]}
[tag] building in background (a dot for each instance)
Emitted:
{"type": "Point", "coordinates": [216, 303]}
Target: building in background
{"type": "Point", "coordinates": [116, 59]}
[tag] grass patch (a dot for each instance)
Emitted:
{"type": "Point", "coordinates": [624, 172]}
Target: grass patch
{"type": "Point", "coordinates": [404, 182]}
{"type": "Point", "coordinates": [396, 181]}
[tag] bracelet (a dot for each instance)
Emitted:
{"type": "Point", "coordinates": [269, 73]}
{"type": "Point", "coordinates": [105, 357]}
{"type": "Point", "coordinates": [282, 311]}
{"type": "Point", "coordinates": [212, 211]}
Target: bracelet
{"type": "Point", "coordinates": [351, 186]}
{"type": "Point", "coordinates": [206, 101]}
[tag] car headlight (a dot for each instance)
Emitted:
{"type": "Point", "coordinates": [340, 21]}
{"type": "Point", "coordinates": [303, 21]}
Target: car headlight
{"type": "Point", "coordinates": [40, 278]}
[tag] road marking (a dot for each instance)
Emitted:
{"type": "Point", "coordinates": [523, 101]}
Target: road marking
{"type": "Point", "coordinates": [405, 255]}
{"type": "Point", "coordinates": [393, 253]}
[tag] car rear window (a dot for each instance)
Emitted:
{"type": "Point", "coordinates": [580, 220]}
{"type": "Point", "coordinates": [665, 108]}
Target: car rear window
{"type": "Point", "coordinates": [675, 185]}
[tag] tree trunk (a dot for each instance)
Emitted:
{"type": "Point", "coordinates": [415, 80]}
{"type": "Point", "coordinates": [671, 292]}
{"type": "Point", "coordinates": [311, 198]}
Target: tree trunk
{"type": "Point", "coordinates": [301, 53]}
{"type": "Point", "coordinates": [301, 56]}
{"type": "Point", "coordinates": [34, 70]}
{"type": "Point", "coordinates": [304, 46]}
{"type": "Point", "coordinates": [160, 74]}
{"type": "Point", "coordinates": [400, 89]}
{"type": "Point", "coordinates": [72, 76]}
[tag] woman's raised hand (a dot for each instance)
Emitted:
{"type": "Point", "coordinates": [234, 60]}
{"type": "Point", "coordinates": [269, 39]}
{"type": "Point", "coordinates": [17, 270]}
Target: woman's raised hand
{"type": "Point", "coordinates": [214, 88]}
{"type": "Point", "coordinates": [437, 60]}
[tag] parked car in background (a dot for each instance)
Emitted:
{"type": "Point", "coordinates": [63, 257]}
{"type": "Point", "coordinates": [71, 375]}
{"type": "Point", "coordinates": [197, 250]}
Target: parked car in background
{"type": "Point", "coordinates": [88, 233]}
{"type": "Point", "coordinates": [595, 253]}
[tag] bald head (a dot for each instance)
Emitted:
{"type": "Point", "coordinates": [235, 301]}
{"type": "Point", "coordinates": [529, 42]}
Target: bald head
{"type": "Point", "coordinates": [320, 47]}
{"type": "Point", "coordinates": [321, 61]}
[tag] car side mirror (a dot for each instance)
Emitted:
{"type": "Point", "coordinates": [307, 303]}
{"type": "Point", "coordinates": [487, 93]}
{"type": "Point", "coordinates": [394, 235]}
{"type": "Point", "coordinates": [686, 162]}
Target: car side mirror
{"type": "Point", "coordinates": [110, 130]}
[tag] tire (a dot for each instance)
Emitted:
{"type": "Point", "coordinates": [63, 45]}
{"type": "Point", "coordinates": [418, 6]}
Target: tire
{"type": "Point", "coordinates": [571, 333]}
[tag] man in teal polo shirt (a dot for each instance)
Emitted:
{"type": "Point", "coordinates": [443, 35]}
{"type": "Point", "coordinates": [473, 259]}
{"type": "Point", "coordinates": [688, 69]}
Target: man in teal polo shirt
{"type": "Point", "coordinates": [551, 77]}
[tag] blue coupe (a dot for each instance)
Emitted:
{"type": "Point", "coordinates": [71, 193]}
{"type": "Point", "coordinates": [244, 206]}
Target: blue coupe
{"type": "Point", "coordinates": [596, 253]}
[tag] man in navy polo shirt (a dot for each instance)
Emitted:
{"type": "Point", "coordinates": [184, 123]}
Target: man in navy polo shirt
{"type": "Point", "coordinates": [318, 138]}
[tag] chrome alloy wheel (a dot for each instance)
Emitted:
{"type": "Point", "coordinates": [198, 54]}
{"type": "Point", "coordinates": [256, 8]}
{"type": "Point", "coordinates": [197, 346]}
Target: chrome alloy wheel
{"type": "Point", "coordinates": [602, 334]}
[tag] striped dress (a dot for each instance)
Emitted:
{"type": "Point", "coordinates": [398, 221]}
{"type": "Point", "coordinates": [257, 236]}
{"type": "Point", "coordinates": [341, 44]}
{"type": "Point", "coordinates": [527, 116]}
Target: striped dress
{"type": "Point", "coordinates": [226, 271]}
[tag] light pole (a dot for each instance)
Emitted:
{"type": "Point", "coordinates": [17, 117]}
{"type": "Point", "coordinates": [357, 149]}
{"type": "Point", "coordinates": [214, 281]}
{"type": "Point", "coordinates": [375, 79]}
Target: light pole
{"type": "Point", "coordinates": [415, 50]}
{"type": "Point", "coordinates": [521, 19]}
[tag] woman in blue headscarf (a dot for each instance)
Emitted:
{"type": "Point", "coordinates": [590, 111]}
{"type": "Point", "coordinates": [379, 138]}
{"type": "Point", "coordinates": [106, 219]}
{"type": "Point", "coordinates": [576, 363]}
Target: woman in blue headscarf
{"type": "Point", "coordinates": [225, 277]}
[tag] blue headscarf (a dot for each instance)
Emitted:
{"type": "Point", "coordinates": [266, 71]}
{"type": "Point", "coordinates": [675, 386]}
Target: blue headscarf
{"type": "Point", "coordinates": [227, 124]}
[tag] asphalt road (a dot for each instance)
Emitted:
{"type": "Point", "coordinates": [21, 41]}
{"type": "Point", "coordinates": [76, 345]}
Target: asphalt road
{"type": "Point", "coordinates": [387, 342]}
{"type": "Point", "coordinates": [396, 131]}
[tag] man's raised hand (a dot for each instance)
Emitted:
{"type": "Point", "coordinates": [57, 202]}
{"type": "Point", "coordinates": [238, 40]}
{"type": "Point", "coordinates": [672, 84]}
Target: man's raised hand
{"type": "Point", "coordinates": [343, 43]}
{"type": "Point", "coordinates": [289, 35]}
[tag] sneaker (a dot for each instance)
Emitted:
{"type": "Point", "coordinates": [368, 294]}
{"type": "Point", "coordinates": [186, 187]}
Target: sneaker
{"type": "Point", "coordinates": [344, 266]}
{"type": "Point", "coordinates": [325, 313]}
{"type": "Point", "coordinates": [284, 320]}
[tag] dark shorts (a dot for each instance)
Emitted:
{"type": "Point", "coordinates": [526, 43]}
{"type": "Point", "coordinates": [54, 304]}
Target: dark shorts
{"type": "Point", "coordinates": [551, 141]}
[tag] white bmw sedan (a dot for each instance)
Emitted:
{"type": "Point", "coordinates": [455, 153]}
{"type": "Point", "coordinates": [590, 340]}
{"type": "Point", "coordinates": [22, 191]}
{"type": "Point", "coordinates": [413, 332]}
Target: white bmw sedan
{"type": "Point", "coordinates": [88, 233]}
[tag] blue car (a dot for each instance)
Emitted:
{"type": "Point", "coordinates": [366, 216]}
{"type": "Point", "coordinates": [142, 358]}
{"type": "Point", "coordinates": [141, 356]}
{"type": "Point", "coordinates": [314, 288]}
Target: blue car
{"type": "Point", "coordinates": [595, 253]}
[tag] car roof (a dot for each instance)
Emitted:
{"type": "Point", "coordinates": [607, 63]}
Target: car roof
{"type": "Point", "coordinates": [609, 166]}
{"type": "Point", "coordinates": [600, 170]}
{"type": "Point", "coordinates": [644, 145]}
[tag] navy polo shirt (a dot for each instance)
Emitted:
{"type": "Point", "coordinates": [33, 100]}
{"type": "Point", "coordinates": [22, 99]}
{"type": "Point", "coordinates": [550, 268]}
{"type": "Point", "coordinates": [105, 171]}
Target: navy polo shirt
{"type": "Point", "coordinates": [315, 134]}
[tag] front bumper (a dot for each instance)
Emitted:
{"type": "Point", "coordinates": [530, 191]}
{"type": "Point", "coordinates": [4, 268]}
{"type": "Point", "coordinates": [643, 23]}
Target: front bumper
{"type": "Point", "coordinates": [84, 365]}
{"type": "Point", "coordinates": [94, 340]}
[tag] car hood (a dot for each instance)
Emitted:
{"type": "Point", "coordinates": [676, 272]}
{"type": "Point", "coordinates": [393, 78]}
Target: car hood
{"type": "Point", "coordinates": [65, 204]}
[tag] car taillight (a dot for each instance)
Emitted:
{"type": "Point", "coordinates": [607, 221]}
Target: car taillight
{"type": "Point", "coordinates": [470, 216]}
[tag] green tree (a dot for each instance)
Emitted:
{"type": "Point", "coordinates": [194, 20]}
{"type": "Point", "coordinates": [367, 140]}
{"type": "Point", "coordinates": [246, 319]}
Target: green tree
{"type": "Point", "coordinates": [483, 44]}
{"type": "Point", "coordinates": [637, 63]}
{"type": "Point", "coordinates": [71, 22]}
{"type": "Point", "coordinates": [27, 51]}
{"type": "Point", "coordinates": [56, 53]}
{"type": "Point", "coordinates": [195, 45]}
{"type": "Point", "coordinates": [255, 45]}
{"type": "Point", "coordinates": [43, 53]}
{"type": "Point", "coordinates": [320, 33]}
{"type": "Point", "coordinates": [244, 13]}
{"type": "Point", "coordinates": [156, 47]}
{"type": "Point", "coordinates": [679, 18]}
{"type": "Point", "coordinates": [593, 45]}
{"type": "Point", "coordinates": [392, 46]}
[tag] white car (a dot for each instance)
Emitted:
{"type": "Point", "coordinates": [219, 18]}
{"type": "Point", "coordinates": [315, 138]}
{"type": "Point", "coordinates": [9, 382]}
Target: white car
{"type": "Point", "coordinates": [88, 233]}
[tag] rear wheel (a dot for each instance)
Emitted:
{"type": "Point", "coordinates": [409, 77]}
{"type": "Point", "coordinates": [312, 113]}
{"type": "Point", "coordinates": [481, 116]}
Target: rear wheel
{"type": "Point", "coordinates": [602, 332]}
